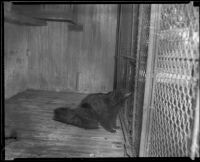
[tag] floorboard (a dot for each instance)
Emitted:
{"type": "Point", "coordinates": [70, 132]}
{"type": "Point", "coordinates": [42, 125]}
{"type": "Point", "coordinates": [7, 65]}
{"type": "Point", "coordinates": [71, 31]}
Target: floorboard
{"type": "Point", "coordinates": [31, 113]}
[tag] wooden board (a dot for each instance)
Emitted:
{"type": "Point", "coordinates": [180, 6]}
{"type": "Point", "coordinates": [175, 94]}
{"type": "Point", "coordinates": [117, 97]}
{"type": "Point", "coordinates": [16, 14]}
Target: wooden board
{"type": "Point", "coordinates": [31, 113]}
{"type": "Point", "coordinates": [16, 18]}
{"type": "Point", "coordinates": [62, 59]}
{"type": "Point", "coordinates": [56, 57]}
{"type": "Point", "coordinates": [15, 59]}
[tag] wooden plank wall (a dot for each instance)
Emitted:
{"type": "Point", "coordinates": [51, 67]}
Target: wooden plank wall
{"type": "Point", "coordinates": [78, 61]}
{"type": "Point", "coordinates": [15, 59]}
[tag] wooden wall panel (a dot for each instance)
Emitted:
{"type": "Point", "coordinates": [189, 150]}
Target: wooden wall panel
{"type": "Point", "coordinates": [79, 61]}
{"type": "Point", "coordinates": [15, 59]}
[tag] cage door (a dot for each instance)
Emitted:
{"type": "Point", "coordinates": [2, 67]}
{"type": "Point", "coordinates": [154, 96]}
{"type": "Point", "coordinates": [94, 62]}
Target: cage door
{"type": "Point", "coordinates": [171, 111]}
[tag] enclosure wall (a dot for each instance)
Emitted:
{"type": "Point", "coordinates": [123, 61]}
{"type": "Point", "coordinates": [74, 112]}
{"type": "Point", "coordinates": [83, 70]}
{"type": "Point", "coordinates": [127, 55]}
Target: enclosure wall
{"type": "Point", "coordinates": [69, 60]}
{"type": "Point", "coordinates": [53, 57]}
{"type": "Point", "coordinates": [15, 59]}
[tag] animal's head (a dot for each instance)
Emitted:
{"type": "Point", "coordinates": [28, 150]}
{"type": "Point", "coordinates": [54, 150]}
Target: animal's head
{"type": "Point", "coordinates": [120, 95]}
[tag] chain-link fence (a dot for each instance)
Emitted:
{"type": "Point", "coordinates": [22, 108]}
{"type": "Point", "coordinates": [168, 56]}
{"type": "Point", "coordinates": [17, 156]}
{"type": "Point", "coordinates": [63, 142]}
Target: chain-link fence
{"type": "Point", "coordinates": [174, 110]}
{"type": "Point", "coordinates": [163, 73]}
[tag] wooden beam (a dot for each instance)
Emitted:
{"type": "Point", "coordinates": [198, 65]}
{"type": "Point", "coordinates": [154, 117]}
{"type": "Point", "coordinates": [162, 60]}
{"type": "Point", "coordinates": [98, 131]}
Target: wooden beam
{"type": "Point", "coordinates": [49, 15]}
{"type": "Point", "coordinates": [16, 18]}
{"type": "Point", "coordinates": [37, 11]}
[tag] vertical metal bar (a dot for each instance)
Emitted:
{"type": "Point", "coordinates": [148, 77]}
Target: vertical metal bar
{"type": "Point", "coordinates": [126, 74]}
{"type": "Point", "coordinates": [151, 107]}
{"type": "Point", "coordinates": [149, 81]}
{"type": "Point", "coordinates": [117, 48]}
{"type": "Point", "coordinates": [137, 69]}
{"type": "Point", "coordinates": [129, 49]}
{"type": "Point", "coordinates": [195, 129]}
{"type": "Point", "coordinates": [119, 67]}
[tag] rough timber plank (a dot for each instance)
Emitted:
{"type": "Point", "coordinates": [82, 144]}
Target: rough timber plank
{"type": "Point", "coordinates": [31, 113]}
{"type": "Point", "coordinates": [16, 18]}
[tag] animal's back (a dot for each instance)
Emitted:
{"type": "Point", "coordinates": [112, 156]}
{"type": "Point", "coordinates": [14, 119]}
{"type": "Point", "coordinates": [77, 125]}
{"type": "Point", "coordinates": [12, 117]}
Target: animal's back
{"type": "Point", "coordinates": [94, 108]}
{"type": "Point", "coordinates": [74, 117]}
{"type": "Point", "coordinates": [99, 102]}
{"type": "Point", "coordinates": [106, 106]}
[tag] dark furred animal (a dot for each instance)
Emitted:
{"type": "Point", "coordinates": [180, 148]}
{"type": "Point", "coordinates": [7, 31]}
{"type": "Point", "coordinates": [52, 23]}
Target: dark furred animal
{"type": "Point", "coordinates": [95, 108]}
{"type": "Point", "coordinates": [75, 117]}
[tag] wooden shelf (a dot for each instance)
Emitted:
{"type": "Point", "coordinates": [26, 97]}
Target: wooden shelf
{"type": "Point", "coordinates": [12, 17]}
{"type": "Point", "coordinates": [38, 12]}
{"type": "Point", "coordinates": [36, 15]}
{"type": "Point", "coordinates": [49, 15]}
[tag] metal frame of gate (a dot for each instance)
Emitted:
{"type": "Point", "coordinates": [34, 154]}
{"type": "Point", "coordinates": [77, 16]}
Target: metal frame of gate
{"type": "Point", "coordinates": [170, 125]}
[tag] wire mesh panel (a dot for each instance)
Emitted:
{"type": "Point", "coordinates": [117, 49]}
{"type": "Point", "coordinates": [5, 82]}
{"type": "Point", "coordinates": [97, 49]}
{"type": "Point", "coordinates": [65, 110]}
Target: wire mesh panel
{"type": "Point", "coordinates": [126, 56]}
{"type": "Point", "coordinates": [173, 118]}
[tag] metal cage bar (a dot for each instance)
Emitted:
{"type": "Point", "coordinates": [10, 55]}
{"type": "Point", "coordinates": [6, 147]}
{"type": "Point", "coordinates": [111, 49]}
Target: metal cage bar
{"type": "Point", "coordinates": [141, 70]}
{"type": "Point", "coordinates": [126, 56]}
{"type": "Point", "coordinates": [149, 79]}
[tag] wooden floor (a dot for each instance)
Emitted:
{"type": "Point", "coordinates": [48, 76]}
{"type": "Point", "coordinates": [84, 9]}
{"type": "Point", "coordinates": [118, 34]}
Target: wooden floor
{"type": "Point", "coordinates": [31, 113]}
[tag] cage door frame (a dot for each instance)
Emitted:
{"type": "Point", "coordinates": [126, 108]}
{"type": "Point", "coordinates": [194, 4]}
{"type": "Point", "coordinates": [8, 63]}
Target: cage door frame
{"type": "Point", "coordinates": [154, 25]}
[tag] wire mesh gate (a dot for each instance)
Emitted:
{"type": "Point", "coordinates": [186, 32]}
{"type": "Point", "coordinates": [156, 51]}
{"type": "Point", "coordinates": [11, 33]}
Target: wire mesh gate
{"type": "Point", "coordinates": [171, 106]}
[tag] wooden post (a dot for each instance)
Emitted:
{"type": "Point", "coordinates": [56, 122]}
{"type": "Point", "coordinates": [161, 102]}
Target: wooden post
{"type": "Point", "coordinates": [137, 72]}
{"type": "Point", "coordinates": [152, 51]}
